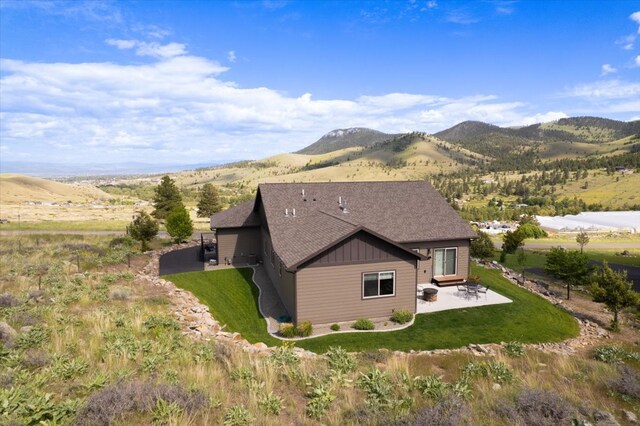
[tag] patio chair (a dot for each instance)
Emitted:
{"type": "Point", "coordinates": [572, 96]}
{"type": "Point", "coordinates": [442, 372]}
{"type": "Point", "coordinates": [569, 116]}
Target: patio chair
{"type": "Point", "coordinates": [472, 291]}
{"type": "Point", "coordinates": [462, 287]}
{"type": "Point", "coordinates": [483, 290]}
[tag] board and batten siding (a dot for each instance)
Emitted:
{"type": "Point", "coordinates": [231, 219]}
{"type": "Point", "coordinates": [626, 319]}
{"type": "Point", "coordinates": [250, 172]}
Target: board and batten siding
{"type": "Point", "coordinates": [330, 294]}
{"type": "Point", "coordinates": [361, 247]}
{"type": "Point", "coordinates": [425, 267]}
{"type": "Point", "coordinates": [238, 243]}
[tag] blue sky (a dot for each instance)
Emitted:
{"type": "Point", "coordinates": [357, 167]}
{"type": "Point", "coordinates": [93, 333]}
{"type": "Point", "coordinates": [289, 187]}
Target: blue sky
{"type": "Point", "coordinates": [204, 81]}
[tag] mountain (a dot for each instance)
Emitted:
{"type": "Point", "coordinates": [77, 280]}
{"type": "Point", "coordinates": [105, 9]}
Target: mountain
{"type": "Point", "coordinates": [345, 138]}
{"type": "Point", "coordinates": [16, 189]}
{"type": "Point", "coordinates": [577, 136]}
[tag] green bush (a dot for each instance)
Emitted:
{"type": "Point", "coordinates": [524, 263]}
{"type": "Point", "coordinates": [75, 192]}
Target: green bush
{"type": "Point", "coordinates": [615, 354]}
{"type": "Point", "coordinates": [340, 360]}
{"type": "Point", "coordinates": [402, 316]}
{"type": "Point", "coordinates": [363, 324]}
{"type": "Point", "coordinates": [304, 329]}
{"type": "Point", "coordinates": [514, 349]}
{"type": "Point", "coordinates": [335, 327]}
{"type": "Point", "coordinates": [287, 330]}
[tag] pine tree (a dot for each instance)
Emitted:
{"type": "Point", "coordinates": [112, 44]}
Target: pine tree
{"type": "Point", "coordinates": [209, 201]}
{"type": "Point", "coordinates": [143, 228]}
{"type": "Point", "coordinates": [612, 288]}
{"type": "Point", "coordinates": [583, 239]}
{"type": "Point", "coordinates": [166, 199]}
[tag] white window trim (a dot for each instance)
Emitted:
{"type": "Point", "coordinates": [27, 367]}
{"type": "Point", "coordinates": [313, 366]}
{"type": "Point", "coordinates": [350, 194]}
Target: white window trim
{"type": "Point", "coordinates": [379, 296]}
{"type": "Point", "coordinates": [455, 272]}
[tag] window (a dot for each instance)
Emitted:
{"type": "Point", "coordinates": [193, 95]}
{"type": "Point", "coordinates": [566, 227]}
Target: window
{"type": "Point", "coordinates": [445, 261]}
{"type": "Point", "coordinates": [378, 284]}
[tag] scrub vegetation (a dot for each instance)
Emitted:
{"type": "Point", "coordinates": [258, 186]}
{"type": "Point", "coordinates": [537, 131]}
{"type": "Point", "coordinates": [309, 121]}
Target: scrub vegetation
{"type": "Point", "coordinates": [84, 341]}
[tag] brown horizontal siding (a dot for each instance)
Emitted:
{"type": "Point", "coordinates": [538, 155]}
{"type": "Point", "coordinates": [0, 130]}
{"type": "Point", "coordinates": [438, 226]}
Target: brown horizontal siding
{"type": "Point", "coordinates": [425, 268]}
{"type": "Point", "coordinates": [285, 284]}
{"type": "Point", "coordinates": [334, 293]}
{"type": "Point", "coordinates": [361, 247]}
{"type": "Point", "coordinates": [238, 243]}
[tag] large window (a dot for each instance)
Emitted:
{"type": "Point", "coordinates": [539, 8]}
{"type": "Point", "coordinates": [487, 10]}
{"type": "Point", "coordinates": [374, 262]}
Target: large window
{"type": "Point", "coordinates": [378, 284]}
{"type": "Point", "coordinates": [445, 261]}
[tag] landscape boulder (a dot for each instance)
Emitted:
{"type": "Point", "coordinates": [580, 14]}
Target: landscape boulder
{"type": "Point", "coordinates": [7, 334]}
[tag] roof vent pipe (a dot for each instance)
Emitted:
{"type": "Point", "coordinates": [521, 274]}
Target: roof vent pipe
{"type": "Point", "coordinates": [286, 212]}
{"type": "Point", "coordinates": [340, 200]}
{"type": "Point", "coordinates": [293, 212]}
{"type": "Point", "coordinates": [303, 192]}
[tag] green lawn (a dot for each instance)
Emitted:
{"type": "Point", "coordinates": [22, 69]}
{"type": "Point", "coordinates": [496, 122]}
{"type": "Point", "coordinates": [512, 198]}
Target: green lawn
{"type": "Point", "coordinates": [232, 298]}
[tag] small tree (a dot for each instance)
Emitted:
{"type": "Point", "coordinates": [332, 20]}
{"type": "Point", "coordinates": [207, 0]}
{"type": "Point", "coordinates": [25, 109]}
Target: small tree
{"type": "Point", "coordinates": [143, 228]}
{"type": "Point", "coordinates": [522, 260]}
{"type": "Point", "coordinates": [209, 201]}
{"type": "Point", "coordinates": [570, 266]}
{"type": "Point", "coordinates": [179, 225]}
{"type": "Point", "coordinates": [511, 241]}
{"type": "Point", "coordinates": [482, 247]}
{"type": "Point", "coordinates": [166, 199]}
{"type": "Point", "coordinates": [612, 288]}
{"type": "Point", "coordinates": [583, 239]}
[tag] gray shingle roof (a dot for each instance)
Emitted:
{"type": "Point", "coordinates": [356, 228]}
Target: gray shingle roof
{"type": "Point", "coordinates": [398, 211]}
{"type": "Point", "coordinates": [236, 217]}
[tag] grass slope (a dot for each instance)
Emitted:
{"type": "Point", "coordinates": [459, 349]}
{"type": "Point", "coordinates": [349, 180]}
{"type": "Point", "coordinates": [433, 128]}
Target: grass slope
{"type": "Point", "coordinates": [232, 298]}
{"type": "Point", "coordinates": [233, 301]}
{"type": "Point", "coordinates": [19, 188]}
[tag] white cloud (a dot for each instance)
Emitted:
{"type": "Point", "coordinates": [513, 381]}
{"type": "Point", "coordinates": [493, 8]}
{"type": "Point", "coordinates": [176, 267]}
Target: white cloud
{"type": "Point", "coordinates": [609, 89]}
{"type": "Point", "coordinates": [122, 44]}
{"type": "Point", "coordinates": [635, 17]}
{"type": "Point", "coordinates": [637, 61]}
{"type": "Point", "coordinates": [231, 56]}
{"type": "Point", "coordinates": [153, 49]}
{"type": "Point", "coordinates": [608, 69]}
{"type": "Point", "coordinates": [432, 4]}
{"type": "Point", "coordinates": [178, 108]}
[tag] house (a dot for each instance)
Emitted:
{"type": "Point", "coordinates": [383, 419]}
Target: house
{"type": "Point", "coordinates": [338, 251]}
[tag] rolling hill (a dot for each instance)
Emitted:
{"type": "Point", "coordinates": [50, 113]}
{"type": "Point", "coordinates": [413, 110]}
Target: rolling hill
{"type": "Point", "coordinates": [16, 189]}
{"type": "Point", "coordinates": [567, 137]}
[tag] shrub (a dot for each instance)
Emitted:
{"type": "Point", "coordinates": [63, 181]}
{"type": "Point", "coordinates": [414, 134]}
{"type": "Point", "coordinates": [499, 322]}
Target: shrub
{"type": "Point", "coordinates": [8, 300]}
{"type": "Point", "coordinates": [541, 407]}
{"type": "Point", "coordinates": [514, 349]}
{"type": "Point", "coordinates": [402, 316]}
{"type": "Point", "coordinates": [284, 355]}
{"type": "Point", "coordinates": [35, 337]}
{"type": "Point", "coordinates": [378, 387]}
{"type": "Point", "coordinates": [374, 356]}
{"type": "Point", "coordinates": [304, 329]}
{"type": "Point", "coordinates": [287, 330]}
{"type": "Point", "coordinates": [35, 358]}
{"type": "Point", "coordinates": [335, 327]}
{"type": "Point", "coordinates": [431, 386]}
{"type": "Point", "coordinates": [120, 294]}
{"type": "Point", "coordinates": [123, 241]}
{"type": "Point", "coordinates": [496, 371]}
{"type": "Point", "coordinates": [363, 324]}
{"type": "Point", "coordinates": [270, 404]}
{"type": "Point", "coordinates": [320, 398]}
{"type": "Point", "coordinates": [448, 412]}
{"type": "Point", "coordinates": [614, 354]}
{"type": "Point", "coordinates": [627, 383]}
{"type": "Point", "coordinates": [340, 360]}
{"type": "Point", "coordinates": [237, 415]}
{"type": "Point", "coordinates": [112, 403]}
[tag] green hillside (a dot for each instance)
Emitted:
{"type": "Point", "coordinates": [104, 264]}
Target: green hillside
{"type": "Point", "coordinates": [345, 138]}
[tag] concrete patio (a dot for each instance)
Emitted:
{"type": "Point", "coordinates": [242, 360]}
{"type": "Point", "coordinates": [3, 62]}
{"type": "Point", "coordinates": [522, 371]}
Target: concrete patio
{"type": "Point", "coordinates": [452, 298]}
